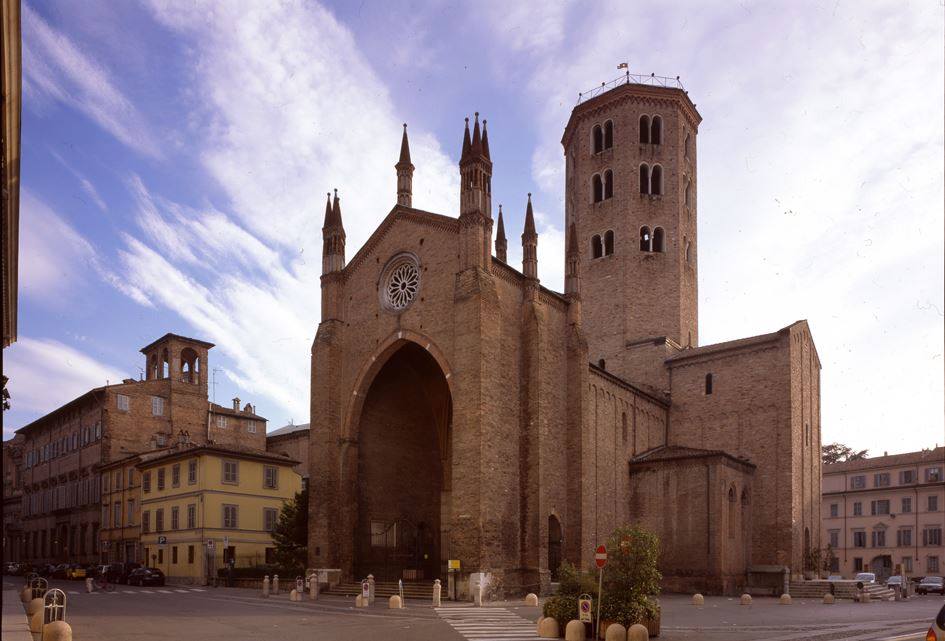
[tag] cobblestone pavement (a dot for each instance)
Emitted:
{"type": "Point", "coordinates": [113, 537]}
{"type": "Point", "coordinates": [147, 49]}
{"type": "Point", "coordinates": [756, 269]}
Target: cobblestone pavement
{"type": "Point", "coordinates": [231, 614]}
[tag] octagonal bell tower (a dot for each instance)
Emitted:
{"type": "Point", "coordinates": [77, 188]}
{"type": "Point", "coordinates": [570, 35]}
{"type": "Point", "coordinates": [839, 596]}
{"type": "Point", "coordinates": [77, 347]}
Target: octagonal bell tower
{"type": "Point", "coordinates": [630, 198]}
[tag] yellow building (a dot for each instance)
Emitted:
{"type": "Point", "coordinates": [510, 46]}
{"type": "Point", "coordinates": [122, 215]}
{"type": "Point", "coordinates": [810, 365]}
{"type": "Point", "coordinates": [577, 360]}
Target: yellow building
{"type": "Point", "coordinates": [204, 505]}
{"type": "Point", "coordinates": [121, 506]}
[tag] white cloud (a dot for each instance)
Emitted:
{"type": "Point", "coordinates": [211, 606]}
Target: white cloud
{"type": "Point", "coordinates": [87, 186]}
{"type": "Point", "coordinates": [56, 68]}
{"type": "Point", "coordinates": [52, 253]}
{"type": "Point", "coordinates": [49, 373]}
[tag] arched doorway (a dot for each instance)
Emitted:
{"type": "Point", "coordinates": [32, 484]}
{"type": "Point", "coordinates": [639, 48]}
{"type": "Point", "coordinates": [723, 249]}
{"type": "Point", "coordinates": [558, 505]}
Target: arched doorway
{"type": "Point", "coordinates": [554, 547]}
{"type": "Point", "coordinates": [403, 469]}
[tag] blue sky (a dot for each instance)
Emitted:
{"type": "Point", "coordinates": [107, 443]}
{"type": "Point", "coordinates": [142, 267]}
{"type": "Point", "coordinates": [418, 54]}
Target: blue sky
{"type": "Point", "coordinates": [176, 156]}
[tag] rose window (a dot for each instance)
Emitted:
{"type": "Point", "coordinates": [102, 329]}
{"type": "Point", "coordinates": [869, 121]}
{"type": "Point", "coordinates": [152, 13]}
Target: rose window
{"type": "Point", "coordinates": [403, 281]}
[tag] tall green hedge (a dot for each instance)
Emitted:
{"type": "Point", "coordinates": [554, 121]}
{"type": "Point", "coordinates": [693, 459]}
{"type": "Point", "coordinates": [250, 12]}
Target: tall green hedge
{"type": "Point", "coordinates": [631, 581]}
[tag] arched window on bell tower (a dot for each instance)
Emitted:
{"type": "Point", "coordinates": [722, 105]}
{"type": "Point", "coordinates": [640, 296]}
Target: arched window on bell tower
{"type": "Point", "coordinates": [597, 188]}
{"type": "Point", "coordinates": [597, 140]}
{"type": "Point", "coordinates": [658, 239]}
{"type": "Point", "coordinates": [608, 242]}
{"type": "Point", "coordinates": [608, 184]}
{"type": "Point", "coordinates": [656, 131]}
{"type": "Point", "coordinates": [645, 239]}
{"type": "Point", "coordinates": [656, 180]}
{"type": "Point", "coordinates": [597, 248]}
{"type": "Point", "coordinates": [644, 178]}
{"type": "Point", "coordinates": [609, 134]}
{"type": "Point", "coordinates": [644, 129]}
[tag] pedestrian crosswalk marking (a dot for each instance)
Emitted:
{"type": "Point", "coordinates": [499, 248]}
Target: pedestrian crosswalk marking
{"type": "Point", "coordinates": [146, 592]}
{"type": "Point", "coordinates": [197, 590]}
{"type": "Point", "coordinates": [184, 591]}
{"type": "Point", "coordinates": [480, 624]}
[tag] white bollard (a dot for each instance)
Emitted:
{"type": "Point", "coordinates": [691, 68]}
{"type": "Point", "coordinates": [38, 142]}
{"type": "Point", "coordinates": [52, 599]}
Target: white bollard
{"type": "Point", "coordinates": [313, 587]}
{"type": "Point", "coordinates": [746, 599]}
{"type": "Point", "coordinates": [370, 580]}
{"type": "Point", "coordinates": [437, 592]}
{"type": "Point", "coordinates": [531, 599]}
{"type": "Point", "coordinates": [698, 599]}
{"type": "Point", "coordinates": [275, 584]}
{"type": "Point", "coordinates": [785, 599]}
{"type": "Point", "coordinates": [88, 585]}
{"type": "Point", "coordinates": [266, 587]}
{"type": "Point", "coordinates": [395, 603]}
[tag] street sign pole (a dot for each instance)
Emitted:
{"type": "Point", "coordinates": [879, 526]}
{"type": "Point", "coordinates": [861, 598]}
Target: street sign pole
{"type": "Point", "coordinates": [600, 585]}
{"type": "Point", "coordinates": [600, 558]}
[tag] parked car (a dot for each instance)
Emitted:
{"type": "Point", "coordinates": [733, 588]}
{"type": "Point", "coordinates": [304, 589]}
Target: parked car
{"type": "Point", "coordinates": [91, 571]}
{"type": "Point", "coordinates": [119, 572]}
{"type": "Point", "coordinates": [146, 576]}
{"type": "Point", "coordinates": [931, 584]}
{"type": "Point", "coordinates": [75, 572]}
{"type": "Point", "coordinates": [45, 570]}
{"type": "Point", "coordinates": [866, 578]}
{"type": "Point", "coordinates": [937, 629]}
{"type": "Point", "coordinates": [59, 571]}
{"type": "Point", "coordinates": [10, 568]}
{"type": "Point", "coordinates": [894, 580]}
{"type": "Point", "coordinates": [835, 577]}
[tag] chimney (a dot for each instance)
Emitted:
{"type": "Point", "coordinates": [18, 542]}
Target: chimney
{"type": "Point", "coordinates": [236, 403]}
{"type": "Point", "coordinates": [248, 408]}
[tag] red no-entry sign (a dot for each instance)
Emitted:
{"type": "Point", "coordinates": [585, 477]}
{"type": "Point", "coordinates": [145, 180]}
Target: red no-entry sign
{"type": "Point", "coordinates": [600, 557]}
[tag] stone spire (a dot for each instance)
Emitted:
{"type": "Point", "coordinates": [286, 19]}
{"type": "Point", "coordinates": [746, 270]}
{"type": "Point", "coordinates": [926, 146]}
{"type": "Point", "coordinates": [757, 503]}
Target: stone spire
{"type": "Point", "coordinates": [501, 244]}
{"type": "Point", "coordinates": [467, 145]}
{"type": "Point", "coordinates": [485, 141]}
{"type": "Point", "coordinates": [404, 173]}
{"type": "Point", "coordinates": [530, 244]}
{"type": "Point", "coordinates": [333, 237]}
{"type": "Point", "coordinates": [475, 168]}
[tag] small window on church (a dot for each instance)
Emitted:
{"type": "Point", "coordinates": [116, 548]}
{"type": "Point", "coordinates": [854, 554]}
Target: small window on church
{"type": "Point", "coordinates": [708, 383]}
{"type": "Point", "coordinates": [598, 188]}
{"type": "Point", "coordinates": [608, 184]}
{"type": "Point", "coordinates": [597, 140]}
{"type": "Point", "coordinates": [609, 134]}
{"type": "Point", "coordinates": [644, 179]}
{"type": "Point", "coordinates": [602, 364]}
{"type": "Point", "coordinates": [686, 146]}
{"type": "Point", "coordinates": [644, 129]}
{"type": "Point", "coordinates": [596, 247]}
{"type": "Point", "coordinates": [608, 243]}
{"type": "Point", "coordinates": [623, 425]}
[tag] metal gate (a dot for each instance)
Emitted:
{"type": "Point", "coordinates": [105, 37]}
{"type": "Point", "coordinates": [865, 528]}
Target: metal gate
{"type": "Point", "coordinates": [398, 549]}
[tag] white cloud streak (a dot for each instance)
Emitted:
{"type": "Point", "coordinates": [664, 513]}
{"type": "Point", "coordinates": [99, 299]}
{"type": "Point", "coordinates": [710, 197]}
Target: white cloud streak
{"type": "Point", "coordinates": [56, 68]}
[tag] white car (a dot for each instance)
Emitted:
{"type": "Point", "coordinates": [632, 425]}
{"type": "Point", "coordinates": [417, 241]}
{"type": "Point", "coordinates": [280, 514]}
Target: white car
{"type": "Point", "coordinates": [865, 578]}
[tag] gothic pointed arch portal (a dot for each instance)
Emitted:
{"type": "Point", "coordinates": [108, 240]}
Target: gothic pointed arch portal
{"type": "Point", "coordinates": [403, 432]}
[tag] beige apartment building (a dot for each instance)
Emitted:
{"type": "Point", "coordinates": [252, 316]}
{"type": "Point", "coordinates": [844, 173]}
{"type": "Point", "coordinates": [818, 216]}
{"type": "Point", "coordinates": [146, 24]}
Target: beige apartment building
{"type": "Point", "coordinates": [884, 511]}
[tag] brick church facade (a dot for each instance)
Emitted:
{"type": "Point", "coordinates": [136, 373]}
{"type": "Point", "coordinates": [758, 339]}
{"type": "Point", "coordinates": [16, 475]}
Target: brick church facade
{"type": "Point", "coordinates": [461, 410]}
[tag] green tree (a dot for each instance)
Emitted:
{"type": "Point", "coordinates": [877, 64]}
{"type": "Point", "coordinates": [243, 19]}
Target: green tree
{"type": "Point", "coordinates": [839, 453]}
{"type": "Point", "coordinates": [291, 532]}
{"type": "Point", "coordinates": [631, 580]}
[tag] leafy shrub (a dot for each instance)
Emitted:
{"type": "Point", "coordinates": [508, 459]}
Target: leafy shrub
{"type": "Point", "coordinates": [562, 608]}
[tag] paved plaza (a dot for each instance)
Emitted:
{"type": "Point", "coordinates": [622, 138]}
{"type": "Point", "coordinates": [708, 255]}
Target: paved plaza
{"type": "Point", "coordinates": [231, 614]}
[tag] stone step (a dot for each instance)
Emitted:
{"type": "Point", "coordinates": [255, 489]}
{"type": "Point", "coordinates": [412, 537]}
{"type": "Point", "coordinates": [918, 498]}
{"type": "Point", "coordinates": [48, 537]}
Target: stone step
{"type": "Point", "coordinates": [842, 590]}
